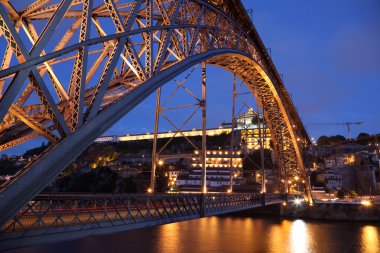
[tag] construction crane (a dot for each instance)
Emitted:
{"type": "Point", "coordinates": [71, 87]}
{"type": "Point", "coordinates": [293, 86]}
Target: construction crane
{"type": "Point", "coordinates": [348, 124]}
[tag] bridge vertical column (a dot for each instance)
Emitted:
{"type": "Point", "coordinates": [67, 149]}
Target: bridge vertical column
{"type": "Point", "coordinates": [263, 188]}
{"type": "Point", "coordinates": [202, 204]}
{"type": "Point", "coordinates": [377, 151]}
{"type": "Point", "coordinates": [204, 182]}
{"type": "Point", "coordinates": [154, 152]}
{"type": "Point", "coordinates": [232, 130]}
{"type": "Point", "coordinates": [283, 165]}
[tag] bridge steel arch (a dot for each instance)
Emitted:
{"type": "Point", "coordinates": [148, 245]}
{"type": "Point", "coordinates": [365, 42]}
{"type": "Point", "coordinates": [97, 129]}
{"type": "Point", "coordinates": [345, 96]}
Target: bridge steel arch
{"type": "Point", "coordinates": [153, 41]}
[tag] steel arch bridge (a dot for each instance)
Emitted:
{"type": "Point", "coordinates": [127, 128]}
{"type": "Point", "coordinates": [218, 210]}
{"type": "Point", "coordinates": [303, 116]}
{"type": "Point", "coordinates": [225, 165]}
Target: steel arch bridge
{"type": "Point", "coordinates": [113, 55]}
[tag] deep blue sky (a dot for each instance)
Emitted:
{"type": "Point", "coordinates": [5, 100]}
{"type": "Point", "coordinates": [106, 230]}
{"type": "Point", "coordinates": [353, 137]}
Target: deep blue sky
{"type": "Point", "coordinates": [329, 55]}
{"type": "Point", "coordinates": [328, 52]}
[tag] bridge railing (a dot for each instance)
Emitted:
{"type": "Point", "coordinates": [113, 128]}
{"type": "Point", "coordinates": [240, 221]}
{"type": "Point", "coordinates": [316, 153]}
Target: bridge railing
{"type": "Point", "coordinates": [59, 213]}
{"type": "Point", "coordinates": [219, 203]}
{"type": "Point", "coordinates": [46, 212]}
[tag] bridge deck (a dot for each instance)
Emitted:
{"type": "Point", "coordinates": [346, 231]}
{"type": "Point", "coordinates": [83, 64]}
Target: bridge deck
{"type": "Point", "coordinates": [51, 218]}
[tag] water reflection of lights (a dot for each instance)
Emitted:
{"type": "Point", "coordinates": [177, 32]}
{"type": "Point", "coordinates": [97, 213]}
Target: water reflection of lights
{"type": "Point", "coordinates": [172, 234]}
{"type": "Point", "coordinates": [370, 239]}
{"type": "Point", "coordinates": [278, 237]}
{"type": "Point", "coordinates": [299, 237]}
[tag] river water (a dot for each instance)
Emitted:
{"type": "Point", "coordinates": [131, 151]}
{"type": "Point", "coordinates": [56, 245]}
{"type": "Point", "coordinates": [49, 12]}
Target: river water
{"type": "Point", "coordinates": [231, 234]}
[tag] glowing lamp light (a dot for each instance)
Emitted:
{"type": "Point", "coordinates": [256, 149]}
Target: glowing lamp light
{"type": "Point", "coordinates": [284, 203]}
{"type": "Point", "coordinates": [298, 201]}
{"type": "Point", "coordinates": [366, 203]}
{"type": "Point", "coordinates": [149, 190]}
{"type": "Point", "coordinates": [160, 162]}
{"type": "Point", "coordinates": [229, 191]}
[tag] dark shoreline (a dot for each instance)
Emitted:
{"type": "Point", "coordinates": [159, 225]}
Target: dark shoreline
{"type": "Point", "coordinates": [334, 212]}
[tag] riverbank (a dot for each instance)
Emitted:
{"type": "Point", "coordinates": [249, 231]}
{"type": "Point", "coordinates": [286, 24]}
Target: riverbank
{"type": "Point", "coordinates": [333, 211]}
{"type": "Point", "coordinates": [323, 211]}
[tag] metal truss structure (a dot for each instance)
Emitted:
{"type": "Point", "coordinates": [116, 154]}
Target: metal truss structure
{"type": "Point", "coordinates": [73, 216]}
{"type": "Point", "coordinates": [162, 107]}
{"type": "Point", "coordinates": [72, 68]}
{"type": "Point", "coordinates": [239, 95]}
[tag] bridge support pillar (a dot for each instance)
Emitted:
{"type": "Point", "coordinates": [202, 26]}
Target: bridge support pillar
{"type": "Point", "coordinates": [204, 127]}
{"type": "Point", "coordinates": [202, 205]}
{"type": "Point", "coordinates": [154, 152]}
{"type": "Point", "coordinates": [232, 131]}
{"type": "Point", "coordinates": [262, 162]}
{"type": "Point", "coordinates": [263, 199]}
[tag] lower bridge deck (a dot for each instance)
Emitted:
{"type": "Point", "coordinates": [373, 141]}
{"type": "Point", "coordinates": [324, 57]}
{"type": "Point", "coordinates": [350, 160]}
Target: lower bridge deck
{"type": "Point", "coordinates": [58, 217]}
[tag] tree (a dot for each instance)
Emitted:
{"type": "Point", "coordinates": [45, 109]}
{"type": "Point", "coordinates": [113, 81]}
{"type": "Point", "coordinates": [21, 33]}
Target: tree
{"type": "Point", "coordinates": [340, 194]}
{"type": "Point", "coordinates": [337, 139]}
{"type": "Point", "coordinates": [352, 194]}
{"type": "Point", "coordinates": [323, 140]}
{"type": "Point", "coordinates": [332, 140]}
{"type": "Point", "coordinates": [363, 138]}
{"type": "Point", "coordinates": [100, 180]}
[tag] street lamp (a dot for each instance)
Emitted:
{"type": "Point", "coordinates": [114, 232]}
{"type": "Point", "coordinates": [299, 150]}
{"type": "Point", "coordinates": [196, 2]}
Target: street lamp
{"type": "Point", "coordinates": [296, 178]}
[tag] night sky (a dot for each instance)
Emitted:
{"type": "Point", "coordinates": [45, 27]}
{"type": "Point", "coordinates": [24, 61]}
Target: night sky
{"type": "Point", "coordinates": [328, 53]}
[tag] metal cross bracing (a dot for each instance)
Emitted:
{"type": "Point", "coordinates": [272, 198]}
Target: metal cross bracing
{"type": "Point", "coordinates": [241, 99]}
{"type": "Point", "coordinates": [287, 145]}
{"type": "Point", "coordinates": [163, 108]}
{"type": "Point", "coordinates": [245, 101]}
{"type": "Point", "coordinates": [246, 104]}
{"type": "Point", "coordinates": [65, 216]}
{"type": "Point", "coordinates": [131, 48]}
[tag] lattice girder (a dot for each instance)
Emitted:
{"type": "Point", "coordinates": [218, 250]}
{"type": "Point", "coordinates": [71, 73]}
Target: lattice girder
{"type": "Point", "coordinates": [151, 42]}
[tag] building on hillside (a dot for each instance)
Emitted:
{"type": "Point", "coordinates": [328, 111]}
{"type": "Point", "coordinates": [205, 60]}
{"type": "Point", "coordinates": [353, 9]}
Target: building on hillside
{"type": "Point", "coordinates": [169, 134]}
{"type": "Point", "coordinates": [329, 163]}
{"type": "Point", "coordinates": [218, 171]}
{"type": "Point", "coordinates": [172, 178]}
{"type": "Point", "coordinates": [246, 129]}
{"type": "Point", "coordinates": [339, 160]}
{"type": "Point", "coordinates": [332, 180]}
{"type": "Point", "coordinates": [248, 125]}
{"type": "Point", "coordinates": [107, 139]}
